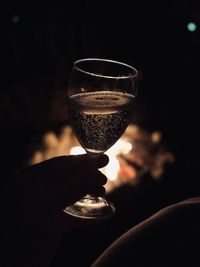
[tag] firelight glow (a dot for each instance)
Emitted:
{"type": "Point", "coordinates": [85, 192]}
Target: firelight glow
{"type": "Point", "coordinates": [77, 150]}
{"type": "Point", "coordinates": [122, 146]}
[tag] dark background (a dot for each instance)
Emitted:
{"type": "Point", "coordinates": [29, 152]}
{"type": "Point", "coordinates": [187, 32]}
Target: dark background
{"type": "Point", "coordinates": [39, 43]}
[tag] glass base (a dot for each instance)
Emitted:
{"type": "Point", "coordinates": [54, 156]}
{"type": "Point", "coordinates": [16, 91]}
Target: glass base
{"type": "Point", "coordinates": [91, 208]}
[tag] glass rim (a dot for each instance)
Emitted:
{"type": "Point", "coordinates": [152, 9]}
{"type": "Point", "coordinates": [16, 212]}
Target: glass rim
{"type": "Point", "coordinates": [106, 76]}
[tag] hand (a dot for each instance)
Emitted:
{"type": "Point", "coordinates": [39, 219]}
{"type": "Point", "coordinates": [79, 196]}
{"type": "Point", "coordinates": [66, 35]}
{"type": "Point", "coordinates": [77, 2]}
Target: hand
{"type": "Point", "coordinates": [33, 204]}
{"type": "Point", "coordinates": [61, 181]}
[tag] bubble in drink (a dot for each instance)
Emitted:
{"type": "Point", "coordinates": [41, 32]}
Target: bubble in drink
{"type": "Point", "coordinates": [99, 118]}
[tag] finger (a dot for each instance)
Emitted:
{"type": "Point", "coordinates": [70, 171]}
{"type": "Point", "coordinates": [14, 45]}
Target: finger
{"type": "Point", "coordinates": [93, 162]}
{"type": "Point", "coordinates": [63, 196]}
{"type": "Point", "coordinates": [101, 161]}
{"type": "Point", "coordinates": [69, 164]}
{"type": "Point", "coordinates": [68, 199]}
{"type": "Point", "coordinates": [72, 190]}
{"type": "Point", "coordinates": [97, 178]}
{"type": "Point", "coordinates": [97, 191]}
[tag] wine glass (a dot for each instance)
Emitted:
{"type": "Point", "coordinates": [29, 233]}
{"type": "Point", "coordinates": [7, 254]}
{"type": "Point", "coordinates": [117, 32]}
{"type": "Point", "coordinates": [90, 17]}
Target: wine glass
{"type": "Point", "coordinates": [101, 93]}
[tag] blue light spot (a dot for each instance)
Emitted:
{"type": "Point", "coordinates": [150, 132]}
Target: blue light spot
{"type": "Point", "coordinates": [191, 26]}
{"type": "Point", "coordinates": [15, 19]}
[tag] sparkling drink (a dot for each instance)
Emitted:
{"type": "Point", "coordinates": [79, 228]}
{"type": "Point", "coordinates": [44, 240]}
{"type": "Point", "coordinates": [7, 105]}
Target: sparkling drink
{"type": "Point", "coordinates": [100, 97]}
{"type": "Point", "coordinates": [100, 118]}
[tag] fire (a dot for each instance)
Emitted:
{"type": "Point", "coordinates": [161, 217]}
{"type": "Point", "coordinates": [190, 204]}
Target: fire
{"type": "Point", "coordinates": [134, 154]}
